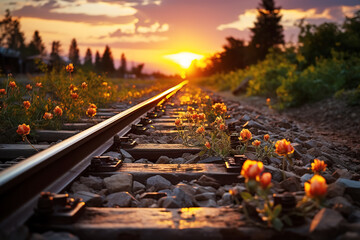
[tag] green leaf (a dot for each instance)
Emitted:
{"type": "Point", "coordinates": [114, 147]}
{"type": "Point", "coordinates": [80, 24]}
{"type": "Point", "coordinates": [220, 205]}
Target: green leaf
{"type": "Point", "coordinates": [277, 224]}
{"type": "Point", "coordinates": [246, 196]}
{"type": "Point", "coordinates": [287, 220]}
{"type": "Point", "coordinates": [277, 210]}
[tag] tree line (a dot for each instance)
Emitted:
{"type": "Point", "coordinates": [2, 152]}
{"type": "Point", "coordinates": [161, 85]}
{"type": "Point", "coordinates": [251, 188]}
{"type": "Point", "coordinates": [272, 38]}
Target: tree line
{"type": "Point", "coordinates": [11, 37]}
{"type": "Point", "coordinates": [314, 42]}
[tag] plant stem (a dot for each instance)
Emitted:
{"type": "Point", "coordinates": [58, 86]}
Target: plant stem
{"type": "Point", "coordinates": [27, 140]}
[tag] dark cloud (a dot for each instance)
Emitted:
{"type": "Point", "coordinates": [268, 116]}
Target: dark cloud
{"type": "Point", "coordinates": [320, 5]}
{"type": "Point", "coordinates": [44, 12]}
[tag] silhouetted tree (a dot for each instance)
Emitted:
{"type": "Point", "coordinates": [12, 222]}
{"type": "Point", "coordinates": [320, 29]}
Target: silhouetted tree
{"type": "Point", "coordinates": [233, 56]}
{"type": "Point", "coordinates": [55, 57]}
{"type": "Point", "coordinates": [267, 32]}
{"type": "Point", "coordinates": [107, 61]}
{"type": "Point", "coordinates": [88, 64]}
{"type": "Point", "coordinates": [10, 34]}
{"type": "Point", "coordinates": [36, 46]}
{"type": "Point", "coordinates": [122, 69]}
{"type": "Point", "coordinates": [97, 62]}
{"type": "Point", "coordinates": [138, 70]}
{"type": "Point", "coordinates": [74, 56]}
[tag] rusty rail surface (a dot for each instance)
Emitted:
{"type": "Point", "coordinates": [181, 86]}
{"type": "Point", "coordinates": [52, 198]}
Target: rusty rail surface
{"type": "Point", "coordinates": [52, 169]}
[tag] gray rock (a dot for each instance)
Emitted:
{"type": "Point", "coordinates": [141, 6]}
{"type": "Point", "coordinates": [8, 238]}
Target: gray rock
{"type": "Point", "coordinates": [277, 173]}
{"type": "Point", "coordinates": [163, 160]}
{"type": "Point", "coordinates": [76, 187]}
{"type": "Point", "coordinates": [120, 182]}
{"type": "Point", "coordinates": [306, 177]}
{"type": "Point", "coordinates": [335, 190]}
{"type": "Point", "coordinates": [253, 124]}
{"type": "Point", "coordinates": [190, 159]}
{"type": "Point", "coordinates": [301, 170]}
{"type": "Point", "coordinates": [169, 202]}
{"type": "Point", "coordinates": [227, 199]}
{"type": "Point", "coordinates": [119, 199]}
{"type": "Point", "coordinates": [207, 203]}
{"type": "Point", "coordinates": [186, 188]}
{"type": "Point", "coordinates": [20, 233]}
{"type": "Point", "coordinates": [349, 236]}
{"type": "Point", "coordinates": [137, 186]}
{"type": "Point", "coordinates": [311, 144]}
{"type": "Point", "coordinates": [147, 202]}
{"type": "Point", "coordinates": [354, 217]}
{"type": "Point", "coordinates": [179, 160]}
{"type": "Point", "coordinates": [113, 154]}
{"type": "Point", "coordinates": [143, 160]}
{"type": "Point", "coordinates": [314, 152]}
{"type": "Point", "coordinates": [326, 224]}
{"type": "Point", "coordinates": [275, 160]}
{"type": "Point", "coordinates": [342, 173]}
{"type": "Point", "coordinates": [127, 160]}
{"type": "Point", "coordinates": [352, 188]}
{"type": "Point", "coordinates": [92, 182]}
{"type": "Point", "coordinates": [205, 196]}
{"type": "Point", "coordinates": [125, 154]}
{"type": "Point", "coordinates": [207, 181]}
{"type": "Point", "coordinates": [341, 205]}
{"type": "Point", "coordinates": [91, 199]}
{"type": "Point", "coordinates": [220, 191]}
{"type": "Point", "coordinates": [290, 184]}
{"type": "Point", "coordinates": [212, 160]}
{"type": "Point", "coordinates": [158, 182]}
{"type": "Point", "coordinates": [329, 178]}
{"type": "Point", "coordinates": [183, 199]}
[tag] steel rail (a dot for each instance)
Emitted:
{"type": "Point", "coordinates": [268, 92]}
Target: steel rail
{"type": "Point", "coordinates": [52, 169]}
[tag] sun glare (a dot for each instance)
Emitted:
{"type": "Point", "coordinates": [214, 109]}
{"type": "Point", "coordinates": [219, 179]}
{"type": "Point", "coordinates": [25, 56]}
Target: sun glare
{"type": "Point", "coordinates": [184, 59]}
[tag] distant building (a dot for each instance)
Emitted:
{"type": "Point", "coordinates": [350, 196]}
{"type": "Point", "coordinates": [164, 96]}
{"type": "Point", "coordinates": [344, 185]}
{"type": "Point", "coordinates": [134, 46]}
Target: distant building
{"type": "Point", "coordinates": [10, 61]}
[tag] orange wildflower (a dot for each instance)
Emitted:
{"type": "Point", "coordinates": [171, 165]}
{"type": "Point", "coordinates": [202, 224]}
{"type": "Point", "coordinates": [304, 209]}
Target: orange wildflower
{"type": "Point", "coordinates": [104, 84]}
{"type": "Point", "coordinates": [266, 137]}
{"type": "Point", "coordinates": [218, 120]}
{"type": "Point", "coordinates": [12, 84]}
{"type": "Point", "coordinates": [92, 106]}
{"type": "Point", "coordinates": [70, 67]}
{"type": "Point", "coordinates": [26, 104]}
{"type": "Point", "coordinates": [58, 111]}
{"type": "Point", "coordinates": [219, 108]}
{"type": "Point", "coordinates": [200, 130]}
{"type": "Point", "coordinates": [318, 166]}
{"type": "Point", "coordinates": [39, 84]}
{"type": "Point", "coordinates": [23, 129]}
{"type": "Point", "coordinates": [245, 135]}
{"type": "Point", "coordinates": [268, 100]}
{"type": "Point", "coordinates": [47, 116]}
{"type": "Point", "coordinates": [194, 116]}
{"type": "Point", "coordinates": [178, 122]}
{"type": "Point", "coordinates": [316, 188]}
{"type": "Point", "coordinates": [252, 169]}
{"type": "Point", "coordinates": [2, 91]}
{"type": "Point", "coordinates": [256, 143]}
{"type": "Point", "coordinates": [28, 87]}
{"type": "Point", "coordinates": [265, 180]}
{"type": "Point", "coordinates": [71, 87]}
{"type": "Point", "coordinates": [207, 145]}
{"type": "Point", "coordinates": [84, 85]}
{"type": "Point", "coordinates": [283, 147]}
{"type": "Point", "coordinates": [74, 95]}
{"type": "Point", "coordinates": [222, 127]}
{"type": "Point", "coordinates": [201, 116]}
{"type": "Point", "coordinates": [106, 95]}
{"type": "Point", "coordinates": [190, 109]}
{"type": "Point", "coordinates": [188, 115]}
{"type": "Point", "coordinates": [91, 112]}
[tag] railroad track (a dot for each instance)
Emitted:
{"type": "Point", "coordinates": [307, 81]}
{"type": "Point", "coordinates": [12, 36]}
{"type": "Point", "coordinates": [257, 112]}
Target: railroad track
{"type": "Point", "coordinates": [136, 181]}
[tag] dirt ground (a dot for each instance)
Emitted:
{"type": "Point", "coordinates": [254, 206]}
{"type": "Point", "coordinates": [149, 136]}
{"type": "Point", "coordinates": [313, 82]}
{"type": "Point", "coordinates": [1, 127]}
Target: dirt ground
{"type": "Point", "coordinates": [331, 119]}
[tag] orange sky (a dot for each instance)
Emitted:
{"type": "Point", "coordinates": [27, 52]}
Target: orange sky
{"type": "Point", "coordinates": [147, 30]}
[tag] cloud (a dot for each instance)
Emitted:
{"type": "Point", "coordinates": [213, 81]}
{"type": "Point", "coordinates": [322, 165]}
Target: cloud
{"type": "Point", "coordinates": [291, 16]}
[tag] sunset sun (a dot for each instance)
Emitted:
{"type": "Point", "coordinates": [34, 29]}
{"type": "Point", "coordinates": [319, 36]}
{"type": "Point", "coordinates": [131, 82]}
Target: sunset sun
{"type": "Point", "coordinates": [184, 59]}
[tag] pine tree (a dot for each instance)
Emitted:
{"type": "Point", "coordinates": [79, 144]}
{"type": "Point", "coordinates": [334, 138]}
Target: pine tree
{"type": "Point", "coordinates": [107, 61]}
{"type": "Point", "coordinates": [10, 34]}
{"type": "Point", "coordinates": [56, 60]}
{"type": "Point", "coordinates": [74, 57]}
{"type": "Point", "coordinates": [122, 69]}
{"type": "Point", "coordinates": [88, 59]}
{"type": "Point", "coordinates": [36, 46]}
{"type": "Point", "coordinates": [267, 32]}
{"type": "Point", "coordinates": [97, 62]}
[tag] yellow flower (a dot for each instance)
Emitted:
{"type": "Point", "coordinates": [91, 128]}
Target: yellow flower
{"type": "Point", "coordinates": [91, 112]}
{"type": "Point", "coordinates": [245, 135]}
{"type": "Point", "coordinates": [318, 166]}
{"type": "Point", "coordinates": [283, 147]}
{"type": "Point", "coordinates": [48, 116]}
{"type": "Point", "coordinates": [252, 169]}
{"type": "Point", "coordinates": [70, 67]}
{"type": "Point", "coordinates": [316, 188]}
{"type": "Point", "coordinates": [26, 104]}
{"type": "Point", "coordinates": [23, 129]}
